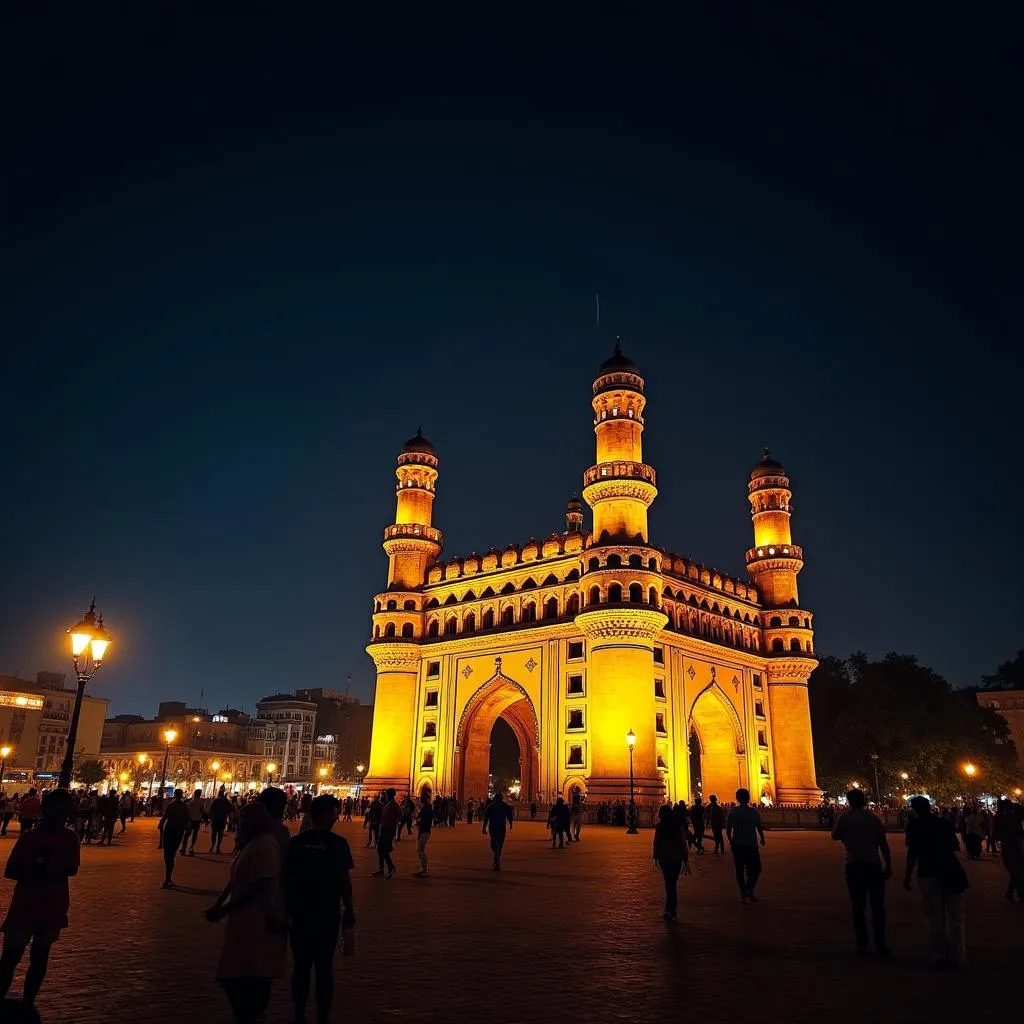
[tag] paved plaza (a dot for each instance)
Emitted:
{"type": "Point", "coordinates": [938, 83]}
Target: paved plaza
{"type": "Point", "coordinates": [572, 933]}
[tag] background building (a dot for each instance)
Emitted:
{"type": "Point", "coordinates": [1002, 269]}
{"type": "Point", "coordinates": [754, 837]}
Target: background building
{"type": "Point", "coordinates": [41, 750]}
{"type": "Point", "coordinates": [348, 722]}
{"type": "Point", "coordinates": [1009, 704]}
{"type": "Point", "coordinates": [289, 729]}
{"type": "Point", "coordinates": [579, 638]}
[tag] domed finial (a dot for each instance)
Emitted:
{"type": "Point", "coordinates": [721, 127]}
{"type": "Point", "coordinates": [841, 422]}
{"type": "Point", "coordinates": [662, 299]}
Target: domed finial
{"type": "Point", "coordinates": [618, 345]}
{"type": "Point", "coordinates": [419, 433]}
{"type": "Point", "coordinates": [764, 452]}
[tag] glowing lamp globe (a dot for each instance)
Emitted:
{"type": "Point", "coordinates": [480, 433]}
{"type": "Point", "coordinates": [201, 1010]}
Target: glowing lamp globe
{"type": "Point", "coordinates": [630, 739]}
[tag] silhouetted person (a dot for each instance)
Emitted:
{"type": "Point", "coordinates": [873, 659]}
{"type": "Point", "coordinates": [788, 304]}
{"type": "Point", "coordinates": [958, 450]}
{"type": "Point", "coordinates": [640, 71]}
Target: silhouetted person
{"type": "Point", "coordinates": [743, 827]}
{"type": "Point", "coordinates": [716, 818]}
{"type": "Point", "coordinates": [671, 853]}
{"type": "Point", "coordinates": [941, 880]}
{"type": "Point", "coordinates": [174, 827]}
{"type": "Point", "coordinates": [497, 820]}
{"type": "Point", "coordinates": [863, 835]}
{"type": "Point", "coordinates": [317, 887]}
{"type": "Point", "coordinates": [41, 863]}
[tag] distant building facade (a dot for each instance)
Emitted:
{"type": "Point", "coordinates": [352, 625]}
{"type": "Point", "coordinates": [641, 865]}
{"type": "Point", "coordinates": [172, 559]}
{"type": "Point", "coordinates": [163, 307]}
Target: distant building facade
{"type": "Point", "coordinates": [40, 742]}
{"type": "Point", "coordinates": [1010, 705]}
{"type": "Point", "coordinates": [348, 722]}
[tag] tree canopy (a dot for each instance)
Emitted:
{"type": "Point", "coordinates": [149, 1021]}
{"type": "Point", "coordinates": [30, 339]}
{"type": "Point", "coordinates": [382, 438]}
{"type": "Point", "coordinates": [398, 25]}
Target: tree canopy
{"type": "Point", "coordinates": [1009, 675]}
{"type": "Point", "coordinates": [914, 721]}
{"type": "Point", "coordinates": [89, 773]}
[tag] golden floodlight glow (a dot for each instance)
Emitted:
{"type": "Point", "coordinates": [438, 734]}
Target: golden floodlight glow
{"type": "Point", "coordinates": [970, 769]}
{"type": "Point", "coordinates": [5, 752]}
{"type": "Point", "coordinates": [170, 735]}
{"type": "Point", "coordinates": [323, 773]}
{"type": "Point", "coordinates": [360, 768]}
{"type": "Point", "coordinates": [1017, 791]}
{"type": "Point", "coordinates": [271, 768]}
{"type": "Point", "coordinates": [123, 776]}
{"type": "Point", "coordinates": [143, 759]}
{"type": "Point", "coordinates": [215, 766]}
{"type": "Point", "coordinates": [904, 776]}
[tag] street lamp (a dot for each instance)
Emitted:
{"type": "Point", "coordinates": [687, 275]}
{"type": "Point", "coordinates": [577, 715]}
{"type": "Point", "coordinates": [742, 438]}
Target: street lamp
{"type": "Point", "coordinates": [970, 770]}
{"type": "Point", "coordinates": [89, 643]}
{"type": "Point", "coordinates": [141, 761]}
{"type": "Point", "coordinates": [169, 735]}
{"type": "Point", "coordinates": [323, 775]}
{"type": "Point", "coordinates": [214, 767]}
{"type": "Point", "coordinates": [874, 764]}
{"type": "Point", "coordinates": [5, 752]}
{"type": "Point", "coordinates": [360, 770]}
{"type": "Point", "coordinates": [631, 742]}
{"type": "Point", "coordinates": [271, 768]}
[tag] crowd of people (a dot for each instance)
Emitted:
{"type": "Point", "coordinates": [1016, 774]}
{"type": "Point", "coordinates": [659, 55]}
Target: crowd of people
{"type": "Point", "coordinates": [295, 890]}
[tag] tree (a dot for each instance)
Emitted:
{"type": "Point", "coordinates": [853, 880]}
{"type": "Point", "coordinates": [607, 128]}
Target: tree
{"type": "Point", "coordinates": [913, 720]}
{"type": "Point", "coordinates": [90, 773]}
{"type": "Point", "coordinates": [1009, 675]}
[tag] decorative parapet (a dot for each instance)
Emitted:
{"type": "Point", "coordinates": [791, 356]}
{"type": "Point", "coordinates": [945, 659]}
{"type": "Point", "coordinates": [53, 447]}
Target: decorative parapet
{"type": "Point", "coordinates": [789, 671]}
{"type": "Point", "coordinates": [415, 530]}
{"type": "Point", "coordinates": [619, 470]}
{"type": "Point", "coordinates": [390, 656]}
{"type": "Point", "coordinates": [636, 623]}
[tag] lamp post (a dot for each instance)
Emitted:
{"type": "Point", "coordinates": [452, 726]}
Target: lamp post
{"type": "Point", "coordinates": [323, 775]}
{"type": "Point", "coordinates": [360, 771]}
{"type": "Point", "coordinates": [89, 643]}
{"type": "Point", "coordinates": [169, 735]}
{"type": "Point", "coordinates": [214, 767]}
{"type": "Point", "coordinates": [970, 771]}
{"type": "Point", "coordinates": [874, 764]}
{"type": "Point", "coordinates": [271, 768]}
{"type": "Point", "coordinates": [141, 762]}
{"type": "Point", "coordinates": [5, 752]}
{"type": "Point", "coordinates": [631, 742]}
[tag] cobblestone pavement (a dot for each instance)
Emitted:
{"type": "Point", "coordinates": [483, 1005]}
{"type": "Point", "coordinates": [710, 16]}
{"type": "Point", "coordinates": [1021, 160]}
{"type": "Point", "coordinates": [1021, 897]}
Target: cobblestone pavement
{"type": "Point", "coordinates": [574, 933]}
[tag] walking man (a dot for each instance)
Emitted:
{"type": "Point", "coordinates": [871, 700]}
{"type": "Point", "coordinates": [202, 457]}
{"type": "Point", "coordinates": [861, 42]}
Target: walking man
{"type": "Point", "coordinates": [220, 810]}
{"type": "Point", "coordinates": [196, 810]}
{"type": "Point", "coordinates": [743, 827]}
{"type": "Point", "coordinates": [697, 817]}
{"type": "Point", "coordinates": [317, 886]}
{"type": "Point", "coordinates": [863, 835]}
{"type": "Point", "coordinates": [941, 880]}
{"type": "Point", "coordinates": [716, 818]}
{"type": "Point", "coordinates": [173, 829]}
{"type": "Point", "coordinates": [424, 823]}
{"type": "Point", "coordinates": [390, 816]}
{"type": "Point", "coordinates": [497, 820]}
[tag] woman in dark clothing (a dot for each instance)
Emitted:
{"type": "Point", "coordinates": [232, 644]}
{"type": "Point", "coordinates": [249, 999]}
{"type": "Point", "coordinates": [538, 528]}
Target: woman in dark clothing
{"type": "Point", "coordinates": [671, 854]}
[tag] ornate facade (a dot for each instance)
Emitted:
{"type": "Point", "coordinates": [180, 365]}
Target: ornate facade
{"type": "Point", "coordinates": [579, 638]}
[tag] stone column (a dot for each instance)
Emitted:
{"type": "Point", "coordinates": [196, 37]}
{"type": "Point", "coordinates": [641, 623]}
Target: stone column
{"type": "Point", "coordinates": [393, 744]}
{"type": "Point", "coordinates": [793, 747]}
{"type": "Point", "coordinates": [620, 692]}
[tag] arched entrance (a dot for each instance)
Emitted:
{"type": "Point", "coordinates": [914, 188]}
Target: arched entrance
{"type": "Point", "coordinates": [716, 748]}
{"type": "Point", "coordinates": [499, 697]}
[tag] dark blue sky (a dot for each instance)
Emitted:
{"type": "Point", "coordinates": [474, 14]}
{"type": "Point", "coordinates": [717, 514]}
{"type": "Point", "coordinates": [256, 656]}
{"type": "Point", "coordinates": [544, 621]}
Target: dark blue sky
{"type": "Point", "coordinates": [241, 263]}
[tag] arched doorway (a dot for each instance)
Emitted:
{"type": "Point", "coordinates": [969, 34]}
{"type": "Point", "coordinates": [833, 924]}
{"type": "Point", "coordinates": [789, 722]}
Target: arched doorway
{"type": "Point", "coordinates": [716, 748]}
{"type": "Point", "coordinates": [502, 698]}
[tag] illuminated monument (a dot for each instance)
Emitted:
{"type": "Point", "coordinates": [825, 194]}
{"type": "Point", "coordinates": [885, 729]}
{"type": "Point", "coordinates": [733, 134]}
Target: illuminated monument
{"type": "Point", "coordinates": [576, 639]}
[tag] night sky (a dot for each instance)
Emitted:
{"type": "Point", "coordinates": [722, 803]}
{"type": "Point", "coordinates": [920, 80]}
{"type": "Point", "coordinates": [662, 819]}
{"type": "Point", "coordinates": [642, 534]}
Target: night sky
{"type": "Point", "coordinates": [242, 262]}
